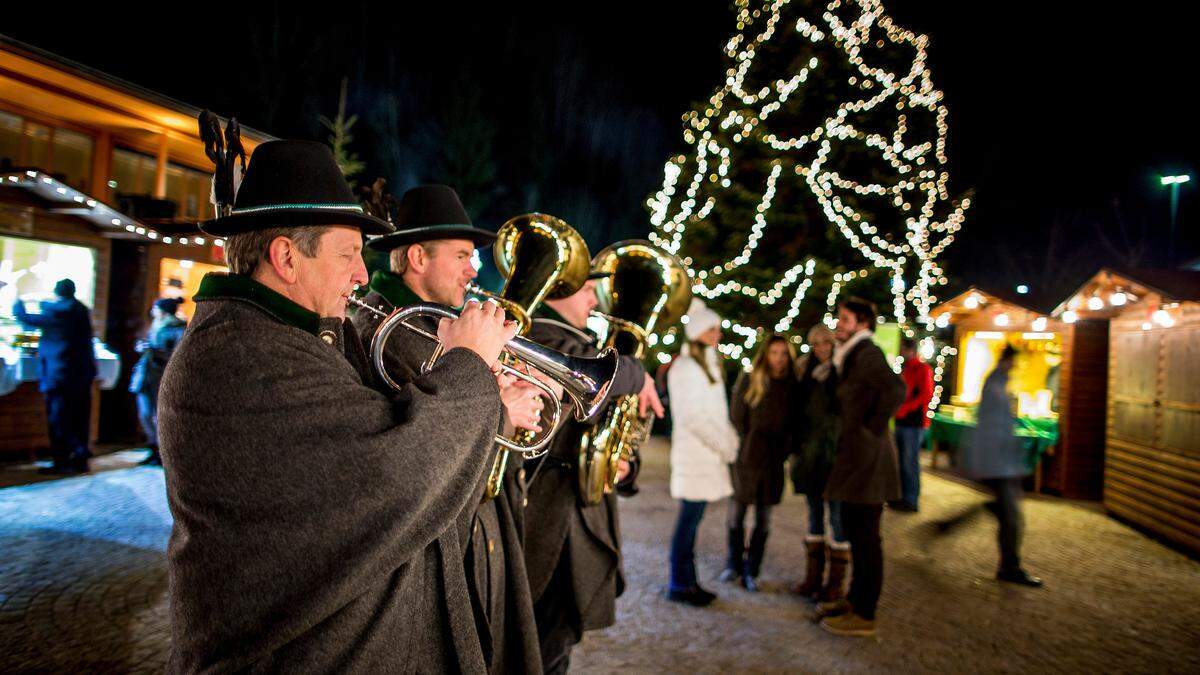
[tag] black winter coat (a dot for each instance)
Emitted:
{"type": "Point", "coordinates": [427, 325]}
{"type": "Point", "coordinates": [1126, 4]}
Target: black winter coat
{"type": "Point", "coordinates": [765, 432]}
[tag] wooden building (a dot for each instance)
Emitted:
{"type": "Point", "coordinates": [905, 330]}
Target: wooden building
{"type": "Point", "coordinates": [103, 182]}
{"type": "Point", "coordinates": [1152, 441]}
{"type": "Point", "coordinates": [1059, 379]}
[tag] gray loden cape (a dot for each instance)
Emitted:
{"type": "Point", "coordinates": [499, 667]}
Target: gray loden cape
{"type": "Point", "coordinates": [490, 531]}
{"type": "Point", "coordinates": [314, 516]}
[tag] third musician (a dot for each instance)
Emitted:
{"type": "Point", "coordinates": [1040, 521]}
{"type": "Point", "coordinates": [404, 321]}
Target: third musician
{"type": "Point", "coordinates": [572, 550]}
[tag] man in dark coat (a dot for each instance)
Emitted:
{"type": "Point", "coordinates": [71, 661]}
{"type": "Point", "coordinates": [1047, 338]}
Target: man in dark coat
{"type": "Point", "coordinates": [573, 550]}
{"type": "Point", "coordinates": [314, 515]}
{"type": "Point", "coordinates": [865, 472]}
{"type": "Point", "coordinates": [68, 367]}
{"type": "Point", "coordinates": [430, 261]}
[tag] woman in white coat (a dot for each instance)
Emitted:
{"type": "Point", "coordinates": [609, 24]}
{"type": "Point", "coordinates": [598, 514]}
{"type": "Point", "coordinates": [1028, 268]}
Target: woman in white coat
{"type": "Point", "coordinates": [703, 445]}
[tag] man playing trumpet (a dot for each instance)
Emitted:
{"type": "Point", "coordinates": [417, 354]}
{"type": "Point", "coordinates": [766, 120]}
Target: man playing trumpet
{"type": "Point", "coordinates": [314, 516]}
{"type": "Point", "coordinates": [430, 260]}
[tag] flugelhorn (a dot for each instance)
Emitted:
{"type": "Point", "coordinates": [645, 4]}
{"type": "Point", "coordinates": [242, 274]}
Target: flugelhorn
{"type": "Point", "coordinates": [584, 379]}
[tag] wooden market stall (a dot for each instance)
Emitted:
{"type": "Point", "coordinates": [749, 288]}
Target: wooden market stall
{"type": "Point", "coordinates": [1152, 470]}
{"type": "Point", "coordinates": [102, 182]}
{"type": "Point", "coordinates": [1052, 381]}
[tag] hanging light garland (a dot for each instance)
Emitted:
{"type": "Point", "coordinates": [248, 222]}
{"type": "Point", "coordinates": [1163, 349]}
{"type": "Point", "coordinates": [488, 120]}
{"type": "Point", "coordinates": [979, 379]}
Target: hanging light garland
{"type": "Point", "coordinates": [737, 114]}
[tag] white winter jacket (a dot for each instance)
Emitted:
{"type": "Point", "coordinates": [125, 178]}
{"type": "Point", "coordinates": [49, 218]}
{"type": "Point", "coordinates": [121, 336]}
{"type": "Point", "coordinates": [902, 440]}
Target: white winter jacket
{"type": "Point", "coordinates": [703, 442]}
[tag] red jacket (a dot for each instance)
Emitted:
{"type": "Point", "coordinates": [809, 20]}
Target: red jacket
{"type": "Point", "coordinates": [918, 392]}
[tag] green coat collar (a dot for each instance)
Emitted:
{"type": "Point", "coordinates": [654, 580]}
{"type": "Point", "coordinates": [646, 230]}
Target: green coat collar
{"type": "Point", "coordinates": [219, 286]}
{"type": "Point", "coordinates": [393, 289]}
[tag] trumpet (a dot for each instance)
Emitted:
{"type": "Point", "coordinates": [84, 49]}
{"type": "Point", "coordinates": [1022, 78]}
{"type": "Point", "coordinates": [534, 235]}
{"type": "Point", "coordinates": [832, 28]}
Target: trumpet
{"type": "Point", "coordinates": [585, 380]}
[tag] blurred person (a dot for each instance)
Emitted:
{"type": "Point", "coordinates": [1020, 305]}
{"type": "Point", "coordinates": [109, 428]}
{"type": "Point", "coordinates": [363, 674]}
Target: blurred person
{"type": "Point", "coordinates": [165, 332]}
{"type": "Point", "coordinates": [703, 445]}
{"type": "Point", "coordinates": [68, 367]}
{"type": "Point", "coordinates": [760, 410]}
{"type": "Point", "coordinates": [993, 455]}
{"type": "Point", "coordinates": [864, 474]}
{"type": "Point", "coordinates": [911, 422]}
{"type": "Point", "coordinates": [815, 446]}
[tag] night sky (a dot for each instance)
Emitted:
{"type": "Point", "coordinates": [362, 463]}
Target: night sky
{"type": "Point", "coordinates": [1061, 118]}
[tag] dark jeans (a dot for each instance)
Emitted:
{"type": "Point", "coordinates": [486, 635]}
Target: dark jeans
{"type": "Point", "coordinates": [817, 507]}
{"type": "Point", "coordinates": [68, 415]}
{"type": "Point", "coordinates": [908, 442]}
{"type": "Point", "coordinates": [147, 407]}
{"type": "Point", "coordinates": [1008, 511]}
{"type": "Point", "coordinates": [683, 545]}
{"type": "Point", "coordinates": [861, 523]}
{"type": "Point", "coordinates": [736, 518]}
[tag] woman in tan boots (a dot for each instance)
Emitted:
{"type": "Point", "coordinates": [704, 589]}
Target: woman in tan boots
{"type": "Point", "coordinates": [814, 447]}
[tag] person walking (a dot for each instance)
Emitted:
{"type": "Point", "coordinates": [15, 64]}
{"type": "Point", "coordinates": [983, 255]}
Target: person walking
{"type": "Point", "coordinates": [703, 445]}
{"type": "Point", "coordinates": [68, 366]}
{"type": "Point", "coordinates": [994, 456]}
{"type": "Point", "coordinates": [166, 330]}
{"type": "Point", "coordinates": [759, 409]}
{"type": "Point", "coordinates": [911, 423]}
{"type": "Point", "coordinates": [815, 446]}
{"type": "Point", "coordinates": [864, 474]}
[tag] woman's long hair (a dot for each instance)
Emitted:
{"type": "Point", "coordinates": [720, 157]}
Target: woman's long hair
{"type": "Point", "coordinates": [697, 350]}
{"type": "Point", "coordinates": [759, 377]}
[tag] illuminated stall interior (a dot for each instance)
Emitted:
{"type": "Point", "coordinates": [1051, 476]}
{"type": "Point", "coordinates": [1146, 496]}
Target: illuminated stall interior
{"type": "Point", "coordinates": [983, 325]}
{"type": "Point", "coordinates": [1152, 408]}
{"type": "Point", "coordinates": [979, 324]}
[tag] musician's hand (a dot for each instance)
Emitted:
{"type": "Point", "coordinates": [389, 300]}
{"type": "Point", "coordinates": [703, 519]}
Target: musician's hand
{"type": "Point", "coordinates": [623, 469]}
{"type": "Point", "coordinates": [648, 399]}
{"type": "Point", "coordinates": [481, 328]}
{"type": "Point", "coordinates": [522, 403]}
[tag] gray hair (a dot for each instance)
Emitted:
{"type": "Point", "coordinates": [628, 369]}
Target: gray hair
{"type": "Point", "coordinates": [243, 252]}
{"type": "Point", "coordinates": [398, 258]}
{"type": "Point", "coordinates": [820, 332]}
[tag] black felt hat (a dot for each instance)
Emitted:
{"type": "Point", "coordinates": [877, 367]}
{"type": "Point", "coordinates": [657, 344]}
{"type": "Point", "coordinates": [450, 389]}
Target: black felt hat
{"type": "Point", "coordinates": [431, 212]}
{"type": "Point", "coordinates": [293, 184]}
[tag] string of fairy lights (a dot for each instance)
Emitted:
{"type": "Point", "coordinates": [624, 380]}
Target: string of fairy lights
{"type": "Point", "coordinates": [737, 114]}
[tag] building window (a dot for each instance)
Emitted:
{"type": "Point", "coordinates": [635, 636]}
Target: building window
{"type": "Point", "coordinates": [189, 189]}
{"type": "Point", "coordinates": [10, 139]}
{"type": "Point", "coordinates": [62, 152]}
{"type": "Point", "coordinates": [72, 157]}
{"type": "Point", "coordinates": [132, 173]}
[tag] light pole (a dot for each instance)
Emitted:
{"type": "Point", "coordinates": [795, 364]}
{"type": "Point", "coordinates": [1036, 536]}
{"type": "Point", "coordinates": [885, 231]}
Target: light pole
{"type": "Point", "coordinates": [1174, 182]}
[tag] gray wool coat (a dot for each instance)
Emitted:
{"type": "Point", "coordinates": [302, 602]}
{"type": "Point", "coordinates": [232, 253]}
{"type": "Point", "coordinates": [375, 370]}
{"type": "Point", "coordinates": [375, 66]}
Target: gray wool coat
{"type": "Point", "coordinates": [865, 470]}
{"type": "Point", "coordinates": [314, 529]}
{"type": "Point", "coordinates": [560, 530]}
{"type": "Point", "coordinates": [490, 532]}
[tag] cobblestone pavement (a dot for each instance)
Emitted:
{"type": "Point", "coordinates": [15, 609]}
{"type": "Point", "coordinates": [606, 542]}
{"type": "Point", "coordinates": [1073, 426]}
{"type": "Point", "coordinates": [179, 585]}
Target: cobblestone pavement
{"type": "Point", "coordinates": [82, 589]}
{"type": "Point", "coordinates": [1114, 600]}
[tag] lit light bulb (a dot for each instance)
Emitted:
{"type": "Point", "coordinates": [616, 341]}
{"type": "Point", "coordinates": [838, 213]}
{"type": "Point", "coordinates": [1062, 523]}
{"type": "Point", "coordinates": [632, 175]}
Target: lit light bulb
{"type": "Point", "coordinates": [1070, 316]}
{"type": "Point", "coordinates": [1117, 299]}
{"type": "Point", "coordinates": [943, 320]}
{"type": "Point", "coordinates": [1039, 324]}
{"type": "Point", "coordinates": [1095, 303]}
{"type": "Point", "coordinates": [1163, 318]}
{"type": "Point", "coordinates": [1001, 320]}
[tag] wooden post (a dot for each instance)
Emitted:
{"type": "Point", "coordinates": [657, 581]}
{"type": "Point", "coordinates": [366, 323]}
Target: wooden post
{"type": "Point", "coordinates": [160, 169]}
{"type": "Point", "coordinates": [101, 166]}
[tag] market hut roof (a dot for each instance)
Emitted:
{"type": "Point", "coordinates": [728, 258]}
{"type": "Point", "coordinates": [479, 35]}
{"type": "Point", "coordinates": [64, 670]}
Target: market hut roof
{"type": "Point", "coordinates": [1110, 289]}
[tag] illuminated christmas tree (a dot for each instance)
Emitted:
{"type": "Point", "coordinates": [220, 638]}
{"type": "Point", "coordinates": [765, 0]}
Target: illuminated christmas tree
{"type": "Point", "coordinates": [818, 163]}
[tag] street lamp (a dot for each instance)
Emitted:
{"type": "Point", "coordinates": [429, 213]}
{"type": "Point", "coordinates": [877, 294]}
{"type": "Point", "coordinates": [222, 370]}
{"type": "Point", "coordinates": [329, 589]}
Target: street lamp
{"type": "Point", "coordinates": [1174, 182]}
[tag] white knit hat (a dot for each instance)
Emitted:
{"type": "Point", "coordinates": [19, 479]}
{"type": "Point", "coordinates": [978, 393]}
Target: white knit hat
{"type": "Point", "coordinates": [700, 319]}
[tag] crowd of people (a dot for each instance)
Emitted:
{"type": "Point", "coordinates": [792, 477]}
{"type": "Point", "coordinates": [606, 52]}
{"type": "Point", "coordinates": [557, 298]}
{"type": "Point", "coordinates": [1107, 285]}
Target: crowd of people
{"type": "Point", "coordinates": [852, 430]}
{"type": "Point", "coordinates": [341, 505]}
